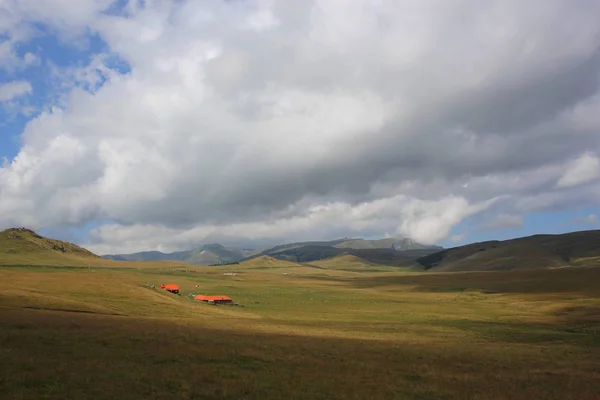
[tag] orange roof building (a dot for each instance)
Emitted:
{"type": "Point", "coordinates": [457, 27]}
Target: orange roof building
{"type": "Point", "coordinates": [170, 287]}
{"type": "Point", "coordinates": [213, 299]}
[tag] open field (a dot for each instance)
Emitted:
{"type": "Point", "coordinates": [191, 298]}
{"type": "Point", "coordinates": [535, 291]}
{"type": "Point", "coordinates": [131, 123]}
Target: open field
{"type": "Point", "coordinates": [300, 332]}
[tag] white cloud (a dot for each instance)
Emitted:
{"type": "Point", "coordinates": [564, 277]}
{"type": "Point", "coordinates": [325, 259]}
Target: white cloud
{"type": "Point", "coordinates": [31, 59]}
{"type": "Point", "coordinates": [13, 90]}
{"type": "Point", "coordinates": [425, 221]}
{"type": "Point", "coordinates": [297, 119]}
{"type": "Point", "coordinates": [430, 221]}
{"type": "Point", "coordinates": [584, 169]}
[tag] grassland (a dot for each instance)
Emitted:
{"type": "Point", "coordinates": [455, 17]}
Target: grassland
{"type": "Point", "coordinates": [532, 252]}
{"type": "Point", "coordinates": [327, 331]}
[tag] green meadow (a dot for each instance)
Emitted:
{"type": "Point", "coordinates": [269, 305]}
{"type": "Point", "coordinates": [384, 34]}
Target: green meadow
{"type": "Point", "coordinates": [338, 330]}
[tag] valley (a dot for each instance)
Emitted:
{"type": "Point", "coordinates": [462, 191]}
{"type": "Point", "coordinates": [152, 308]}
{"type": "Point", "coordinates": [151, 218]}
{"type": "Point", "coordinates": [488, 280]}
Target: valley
{"type": "Point", "coordinates": [337, 328]}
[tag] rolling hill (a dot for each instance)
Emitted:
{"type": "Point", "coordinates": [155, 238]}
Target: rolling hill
{"type": "Point", "coordinates": [266, 262]}
{"type": "Point", "coordinates": [307, 254]}
{"type": "Point", "coordinates": [538, 251]}
{"type": "Point", "coordinates": [19, 246]}
{"type": "Point", "coordinates": [343, 261]}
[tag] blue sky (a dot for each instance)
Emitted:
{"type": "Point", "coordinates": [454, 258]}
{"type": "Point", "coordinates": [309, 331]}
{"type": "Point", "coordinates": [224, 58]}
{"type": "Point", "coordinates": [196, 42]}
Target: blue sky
{"type": "Point", "coordinates": [53, 54]}
{"type": "Point", "coordinates": [163, 126]}
{"type": "Point", "coordinates": [533, 223]}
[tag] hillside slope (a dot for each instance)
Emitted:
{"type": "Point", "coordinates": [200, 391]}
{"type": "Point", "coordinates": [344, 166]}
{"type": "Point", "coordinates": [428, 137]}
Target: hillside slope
{"type": "Point", "coordinates": [344, 261]}
{"type": "Point", "coordinates": [21, 246]}
{"type": "Point", "coordinates": [384, 256]}
{"type": "Point", "coordinates": [266, 262]}
{"type": "Point", "coordinates": [538, 251]}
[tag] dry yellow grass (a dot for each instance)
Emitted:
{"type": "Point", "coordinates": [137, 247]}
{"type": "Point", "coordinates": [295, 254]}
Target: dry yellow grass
{"type": "Point", "coordinates": [342, 261]}
{"type": "Point", "coordinates": [266, 262]}
{"type": "Point", "coordinates": [312, 334]}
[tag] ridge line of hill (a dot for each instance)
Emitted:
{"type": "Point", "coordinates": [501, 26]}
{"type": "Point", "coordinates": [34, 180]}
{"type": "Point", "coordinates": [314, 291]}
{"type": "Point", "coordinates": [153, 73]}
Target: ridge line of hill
{"type": "Point", "coordinates": [581, 248]}
{"type": "Point", "coordinates": [20, 246]}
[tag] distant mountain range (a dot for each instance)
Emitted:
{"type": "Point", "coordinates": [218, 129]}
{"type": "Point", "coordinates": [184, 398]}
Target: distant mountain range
{"type": "Point", "coordinates": [390, 251]}
{"type": "Point", "coordinates": [209, 254]}
{"type": "Point", "coordinates": [20, 246]}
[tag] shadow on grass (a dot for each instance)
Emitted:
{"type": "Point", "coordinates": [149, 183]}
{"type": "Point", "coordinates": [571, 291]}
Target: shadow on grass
{"type": "Point", "coordinates": [583, 281]}
{"type": "Point", "coordinates": [575, 333]}
{"type": "Point", "coordinates": [68, 355]}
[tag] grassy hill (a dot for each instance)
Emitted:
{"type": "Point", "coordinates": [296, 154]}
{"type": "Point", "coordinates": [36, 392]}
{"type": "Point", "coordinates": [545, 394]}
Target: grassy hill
{"type": "Point", "coordinates": [317, 250]}
{"type": "Point", "coordinates": [344, 261]}
{"type": "Point", "coordinates": [20, 246]}
{"type": "Point", "coordinates": [383, 256]}
{"type": "Point", "coordinates": [538, 251]}
{"type": "Point", "coordinates": [266, 262]}
{"type": "Point", "coordinates": [349, 262]}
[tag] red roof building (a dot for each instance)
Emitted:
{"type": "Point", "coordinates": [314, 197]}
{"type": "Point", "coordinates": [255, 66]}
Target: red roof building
{"type": "Point", "coordinates": [170, 287]}
{"type": "Point", "coordinates": [213, 299]}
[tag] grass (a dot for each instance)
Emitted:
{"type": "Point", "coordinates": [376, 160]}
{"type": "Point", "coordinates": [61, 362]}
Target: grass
{"type": "Point", "coordinates": [349, 262]}
{"type": "Point", "coordinates": [333, 332]}
{"type": "Point", "coordinates": [532, 252]}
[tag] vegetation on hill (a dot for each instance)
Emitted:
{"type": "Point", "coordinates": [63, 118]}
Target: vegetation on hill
{"type": "Point", "coordinates": [538, 251]}
{"type": "Point", "coordinates": [265, 262]}
{"type": "Point", "coordinates": [384, 256]}
{"type": "Point", "coordinates": [24, 246]}
{"type": "Point", "coordinates": [343, 261]}
{"type": "Point", "coordinates": [349, 262]}
{"type": "Point", "coordinates": [390, 251]}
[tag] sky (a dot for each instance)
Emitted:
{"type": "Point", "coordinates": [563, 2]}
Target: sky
{"type": "Point", "coordinates": [133, 125]}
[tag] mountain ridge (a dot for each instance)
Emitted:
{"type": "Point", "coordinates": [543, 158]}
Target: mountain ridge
{"type": "Point", "coordinates": [215, 253]}
{"type": "Point", "coordinates": [212, 253]}
{"type": "Point", "coordinates": [21, 246]}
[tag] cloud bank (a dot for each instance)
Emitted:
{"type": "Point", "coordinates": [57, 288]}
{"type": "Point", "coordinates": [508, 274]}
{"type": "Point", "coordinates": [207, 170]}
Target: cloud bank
{"type": "Point", "coordinates": [275, 119]}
